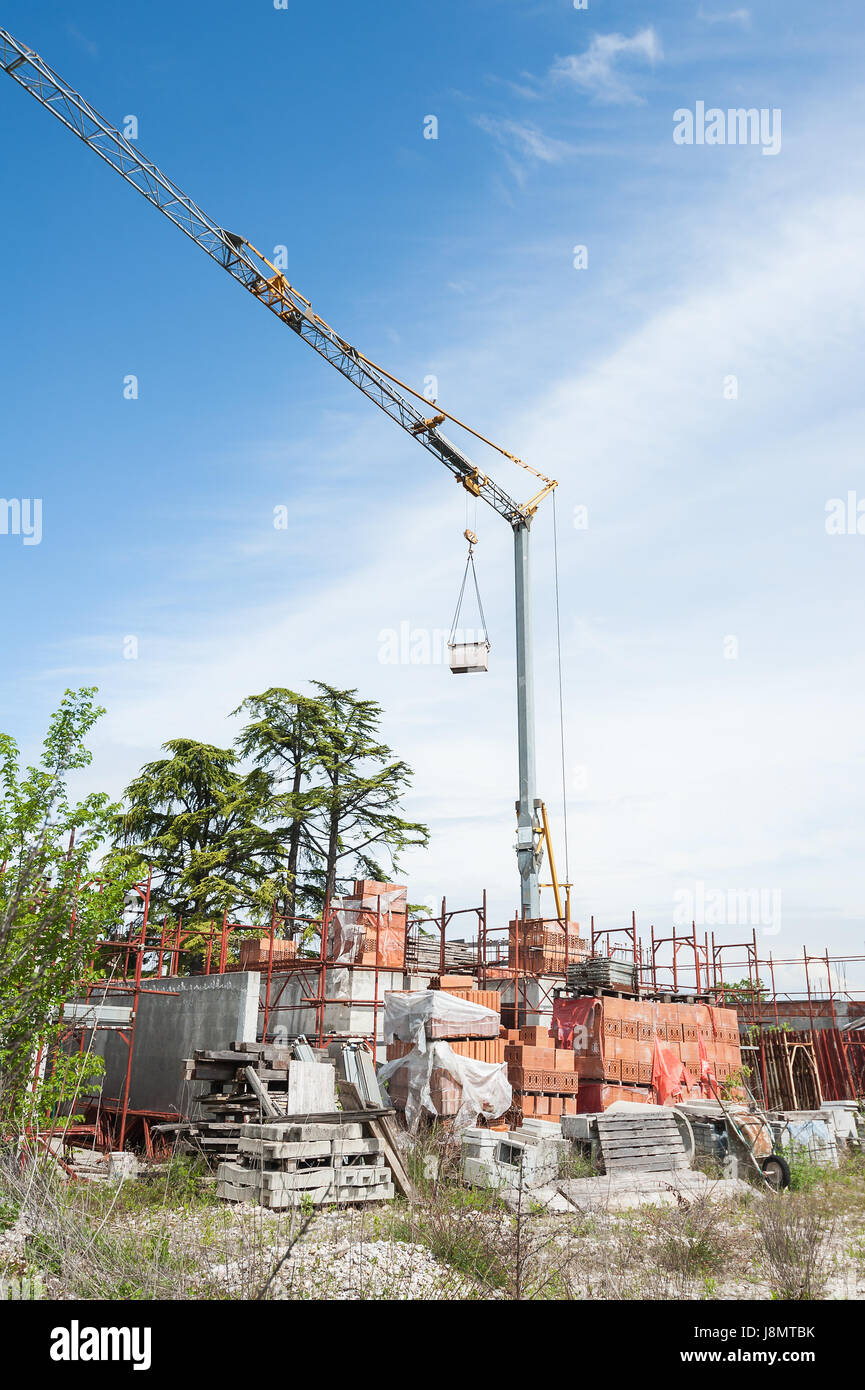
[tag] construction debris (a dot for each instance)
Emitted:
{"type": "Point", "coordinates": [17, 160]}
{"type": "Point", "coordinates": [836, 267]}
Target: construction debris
{"type": "Point", "coordinates": [248, 1082]}
{"type": "Point", "coordinates": [490, 1158]}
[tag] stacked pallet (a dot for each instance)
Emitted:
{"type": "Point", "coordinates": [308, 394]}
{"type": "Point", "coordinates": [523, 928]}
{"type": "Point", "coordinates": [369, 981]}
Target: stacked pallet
{"type": "Point", "coordinates": [602, 972]}
{"type": "Point", "coordinates": [631, 1142]}
{"type": "Point", "coordinates": [283, 1163]}
{"type": "Point", "coordinates": [244, 1081]}
{"type": "Point", "coordinates": [544, 947]}
{"type": "Point", "coordinates": [543, 1077]}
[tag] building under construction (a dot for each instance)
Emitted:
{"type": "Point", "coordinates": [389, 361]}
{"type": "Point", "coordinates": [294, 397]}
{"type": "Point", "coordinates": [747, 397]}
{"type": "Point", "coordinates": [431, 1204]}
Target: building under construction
{"type": "Point", "coordinates": [645, 1010]}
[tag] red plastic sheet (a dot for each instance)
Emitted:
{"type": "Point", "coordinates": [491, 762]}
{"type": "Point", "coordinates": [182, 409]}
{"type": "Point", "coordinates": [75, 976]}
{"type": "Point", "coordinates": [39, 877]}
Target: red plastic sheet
{"type": "Point", "coordinates": [670, 1077]}
{"type": "Point", "coordinates": [576, 1014]}
{"type": "Point", "coordinates": [708, 1084]}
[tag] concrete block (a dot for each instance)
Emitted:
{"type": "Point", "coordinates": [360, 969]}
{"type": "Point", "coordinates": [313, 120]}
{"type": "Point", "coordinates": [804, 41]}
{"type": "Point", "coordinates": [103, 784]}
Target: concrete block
{"type": "Point", "coordinates": [361, 1177]}
{"type": "Point", "coordinates": [291, 1133]}
{"type": "Point", "coordinates": [311, 1088]}
{"type": "Point", "coordinates": [271, 1150]}
{"type": "Point", "coordinates": [578, 1127]}
{"type": "Point", "coordinates": [350, 1148]}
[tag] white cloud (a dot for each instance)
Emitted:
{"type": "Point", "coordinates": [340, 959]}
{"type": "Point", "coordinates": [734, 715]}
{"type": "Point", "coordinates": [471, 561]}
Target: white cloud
{"type": "Point", "coordinates": [597, 70]}
{"type": "Point", "coordinates": [524, 144]}
{"type": "Point", "coordinates": [740, 16]}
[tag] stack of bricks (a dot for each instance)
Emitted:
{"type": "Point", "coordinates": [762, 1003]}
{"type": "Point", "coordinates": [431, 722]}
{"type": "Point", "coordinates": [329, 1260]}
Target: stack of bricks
{"type": "Point", "coordinates": [541, 947]}
{"type": "Point", "coordinates": [543, 1076]}
{"type": "Point", "coordinates": [614, 1049]}
{"type": "Point", "coordinates": [255, 952]}
{"type": "Point", "coordinates": [479, 1049]}
{"type": "Point", "coordinates": [483, 1043]}
{"type": "Point", "coordinates": [371, 925]}
{"type": "Point", "coordinates": [466, 987]}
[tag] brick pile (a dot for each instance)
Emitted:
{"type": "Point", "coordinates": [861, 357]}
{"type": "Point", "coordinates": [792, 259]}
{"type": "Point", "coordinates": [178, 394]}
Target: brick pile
{"type": "Point", "coordinates": [614, 1040]}
{"type": "Point", "coordinates": [543, 1075]}
{"type": "Point", "coordinates": [255, 952]}
{"type": "Point", "coordinates": [483, 1044]}
{"type": "Point", "coordinates": [376, 914]}
{"type": "Point", "coordinates": [543, 947]}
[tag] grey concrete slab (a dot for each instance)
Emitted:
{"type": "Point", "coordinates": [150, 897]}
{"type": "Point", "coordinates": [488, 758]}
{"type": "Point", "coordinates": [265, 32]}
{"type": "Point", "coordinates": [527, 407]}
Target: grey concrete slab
{"type": "Point", "coordinates": [175, 1016]}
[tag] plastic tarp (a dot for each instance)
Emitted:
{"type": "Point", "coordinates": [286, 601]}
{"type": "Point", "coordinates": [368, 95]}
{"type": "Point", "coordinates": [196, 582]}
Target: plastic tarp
{"type": "Point", "coordinates": [419, 1014]}
{"type": "Point", "coordinates": [355, 921]}
{"type": "Point", "coordinates": [485, 1086]}
{"type": "Point", "coordinates": [577, 1023]}
{"type": "Point", "coordinates": [814, 1137]}
{"type": "Point", "coordinates": [670, 1077]}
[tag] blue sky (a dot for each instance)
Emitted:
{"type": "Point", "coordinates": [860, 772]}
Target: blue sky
{"type": "Point", "coordinates": [454, 257]}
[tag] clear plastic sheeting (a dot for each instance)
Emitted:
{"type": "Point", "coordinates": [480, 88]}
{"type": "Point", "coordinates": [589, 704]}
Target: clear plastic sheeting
{"type": "Point", "coordinates": [470, 1088]}
{"type": "Point", "coordinates": [419, 1015]}
{"type": "Point", "coordinates": [369, 920]}
{"type": "Point", "coordinates": [811, 1137]}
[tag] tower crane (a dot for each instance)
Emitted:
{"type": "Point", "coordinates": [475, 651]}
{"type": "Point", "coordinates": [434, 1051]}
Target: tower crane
{"type": "Point", "coordinates": [402, 403]}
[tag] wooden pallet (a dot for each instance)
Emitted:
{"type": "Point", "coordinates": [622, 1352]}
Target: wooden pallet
{"type": "Point", "coordinates": [642, 1143]}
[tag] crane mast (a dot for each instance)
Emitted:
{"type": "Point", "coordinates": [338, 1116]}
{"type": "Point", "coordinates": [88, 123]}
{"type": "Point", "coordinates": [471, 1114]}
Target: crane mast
{"type": "Point", "coordinates": [269, 285]}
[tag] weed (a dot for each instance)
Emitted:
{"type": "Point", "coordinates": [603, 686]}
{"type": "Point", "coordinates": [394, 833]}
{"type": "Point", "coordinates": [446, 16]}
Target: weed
{"type": "Point", "coordinates": [794, 1236]}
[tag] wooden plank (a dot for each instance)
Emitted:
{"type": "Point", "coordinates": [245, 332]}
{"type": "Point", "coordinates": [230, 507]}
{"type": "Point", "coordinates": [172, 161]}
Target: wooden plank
{"type": "Point", "coordinates": [267, 1104]}
{"type": "Point", "coordinates": [653, 1136]}
{"type": "Point", "coordinates": [605, 1118]}
{"type": "Point", "coordinates": [644, 1166]}
{"type": "Point", "coordinates": [641, 1141]}
{"type": "Point", "coordinates": [644, 1158]}
{"type": "Point", "coordinates": [240, 1059]}
{"type": "Point", "coordinates": [380, 1128]}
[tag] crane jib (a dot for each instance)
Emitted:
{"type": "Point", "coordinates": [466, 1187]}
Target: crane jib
{"type": "Point", "coordinates": [231, 252]}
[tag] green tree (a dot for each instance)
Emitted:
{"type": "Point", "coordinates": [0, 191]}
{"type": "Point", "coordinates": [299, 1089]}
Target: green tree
{"type": "Point", "coordinates": [52, 908]}
{"type": "Point", "coordinates": [355, 826]}
{"type": "Point", "coordinates": [280, 738]}
{"type": "Point", "coordinates": [744, 992]}
{"type": "Point", "coordinates": [200, 823]}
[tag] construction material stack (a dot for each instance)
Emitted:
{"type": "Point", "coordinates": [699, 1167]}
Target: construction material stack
{"type": "Point", "coordinates": [369, 928]}
{"type": "Point", "coordinates": [289, 1163]}
{"type": "Point", "coordinates": [544, 947]}
{"type": "Point", "coordinates": [245, 1081]}
{"type": "Point", "coordinates": [626, 1048]}
{"type": "Point", "coordinates": [445, 1052]}
{"type": "Point", "coordinates": [256, 953]}
{"type": "Point", "coordinates": [543, 1075]}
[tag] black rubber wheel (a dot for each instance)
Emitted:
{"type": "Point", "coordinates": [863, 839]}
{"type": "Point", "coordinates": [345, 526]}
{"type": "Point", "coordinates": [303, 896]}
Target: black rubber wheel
{"type": "Point", "coordinates": [776, 1171]}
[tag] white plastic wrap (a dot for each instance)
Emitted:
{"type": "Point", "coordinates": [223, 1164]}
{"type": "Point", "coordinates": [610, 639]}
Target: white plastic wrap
{"type": "Point", "coordinates": [346, 929]}
{"type": "Point", "coordinates": [351, 918]}
{"type": "Point", "coordinates": [485, 1086]}
{"type": "Point", "coordinates": [419, 1014]}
